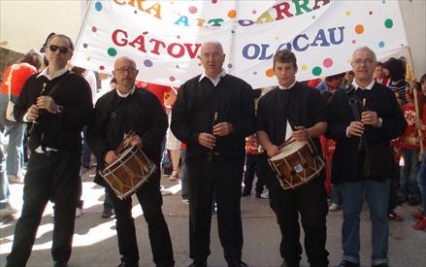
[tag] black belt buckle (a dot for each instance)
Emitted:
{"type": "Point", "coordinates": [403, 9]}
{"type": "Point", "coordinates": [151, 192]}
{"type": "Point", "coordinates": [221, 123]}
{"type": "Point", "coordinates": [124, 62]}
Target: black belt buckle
{"type": "Point", "coordinates": [49, 153]}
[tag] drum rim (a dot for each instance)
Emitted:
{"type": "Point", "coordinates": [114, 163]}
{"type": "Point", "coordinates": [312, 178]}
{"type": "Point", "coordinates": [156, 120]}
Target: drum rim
{"type": "Point", "coordinates": [299, 144]}
{"type": "Point", "coordinates": [126, 155]}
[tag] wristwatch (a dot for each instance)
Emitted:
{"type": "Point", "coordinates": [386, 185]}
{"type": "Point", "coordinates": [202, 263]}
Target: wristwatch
{"type": "Point", "coordinates": [59, 109]}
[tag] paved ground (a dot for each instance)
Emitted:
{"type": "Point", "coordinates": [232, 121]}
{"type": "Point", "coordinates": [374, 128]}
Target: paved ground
{"type": "Point", "coordinates": [95, 242]}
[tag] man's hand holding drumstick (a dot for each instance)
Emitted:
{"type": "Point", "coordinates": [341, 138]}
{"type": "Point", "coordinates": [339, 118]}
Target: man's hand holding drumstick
{"type": "Point", "coordinates": [131, 139]}
{"type": "Point", "coordinates": [301, 134]}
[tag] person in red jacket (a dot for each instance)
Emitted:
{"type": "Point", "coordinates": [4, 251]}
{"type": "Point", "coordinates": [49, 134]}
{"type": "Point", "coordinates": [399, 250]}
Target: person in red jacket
{"type": "Point", "coordinates": [421, 176]}
{"type": "Point", "coordinates": [410, 146]}
{"type": "Point", "coordinates": [15, 77]}
{"type": "Point", "coordinates": [380, 74]}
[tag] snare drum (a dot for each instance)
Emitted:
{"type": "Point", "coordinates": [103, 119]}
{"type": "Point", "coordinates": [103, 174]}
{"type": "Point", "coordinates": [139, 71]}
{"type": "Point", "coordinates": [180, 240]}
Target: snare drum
{"type": "Point", "coordinates": [296, 164]}
{"type": "Point", "coordinates": [131, 170]}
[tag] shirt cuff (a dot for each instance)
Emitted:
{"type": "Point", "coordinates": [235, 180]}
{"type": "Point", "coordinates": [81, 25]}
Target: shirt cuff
{"type": "Point", "coordinates": [25, 118]}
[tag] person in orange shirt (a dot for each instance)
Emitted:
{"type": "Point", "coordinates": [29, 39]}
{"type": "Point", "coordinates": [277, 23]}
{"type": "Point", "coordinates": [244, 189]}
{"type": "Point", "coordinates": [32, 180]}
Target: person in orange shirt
{"type": "Point", "coordinates": [161, 92]}
{"type": "Point", "coordinates": [14, 79]}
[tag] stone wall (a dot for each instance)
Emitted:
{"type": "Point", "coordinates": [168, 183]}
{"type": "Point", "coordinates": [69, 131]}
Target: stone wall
{"type": "Point", "coordinates": [7, 57]}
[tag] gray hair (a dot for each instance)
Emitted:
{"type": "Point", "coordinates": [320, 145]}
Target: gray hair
{"type": "Point", "coordinates": [366, 48]}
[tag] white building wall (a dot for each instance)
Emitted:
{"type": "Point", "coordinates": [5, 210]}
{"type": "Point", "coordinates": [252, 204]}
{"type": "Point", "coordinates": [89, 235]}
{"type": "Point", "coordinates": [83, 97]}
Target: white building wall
{"type": "Point", "coordinates": [25, 24]}
{"type": "Point", "coordinates": [414, 13]}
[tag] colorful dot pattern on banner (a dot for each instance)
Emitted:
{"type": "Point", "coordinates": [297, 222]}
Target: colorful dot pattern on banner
{"type": "Point", "coordinates": [357, 32]}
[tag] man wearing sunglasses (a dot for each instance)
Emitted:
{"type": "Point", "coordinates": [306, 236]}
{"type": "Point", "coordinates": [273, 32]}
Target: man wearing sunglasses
{"type": "Point", "coordinates": [58, 103]}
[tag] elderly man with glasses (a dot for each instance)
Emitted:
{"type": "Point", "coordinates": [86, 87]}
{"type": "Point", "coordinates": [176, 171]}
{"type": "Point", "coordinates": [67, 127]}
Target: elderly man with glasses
{"type": "Point", "coordinates": [362, 120]}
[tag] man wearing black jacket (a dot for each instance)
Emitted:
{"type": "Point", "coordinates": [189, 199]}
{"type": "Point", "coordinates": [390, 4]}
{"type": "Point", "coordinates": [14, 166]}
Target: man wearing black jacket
{"type": "Point", "coordinates": [129, 109]}
{"type": "Point", "coordinates": [58, 103]}
{"type": "Point", "coordinates": [213, 114]}
{"type": "Point", "coordinates": [363, 119]}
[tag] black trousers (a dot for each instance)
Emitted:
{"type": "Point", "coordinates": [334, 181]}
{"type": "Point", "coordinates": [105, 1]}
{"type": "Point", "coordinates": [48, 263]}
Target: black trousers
{"type": "Point", "coordinates": [310, 202]}
{"type": "Point", "coordinates": [150, 198]}
{"type": "Point", "coordinates": [255, 164]}
{"type": "Point", "coordinates": [219, 180]}
{"type": "Point", "coordinates": [52, 177]}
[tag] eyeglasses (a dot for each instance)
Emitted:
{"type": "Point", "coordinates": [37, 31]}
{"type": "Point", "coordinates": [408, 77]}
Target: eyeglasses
{"type": "Point", "coordinates": [55, 48]}
{"type": "Point", "coordinates": [211, 54]}
{"type": "Point", "coordinates": [125, 70]}
{"type": "Point", "coordinates": [367, 62]}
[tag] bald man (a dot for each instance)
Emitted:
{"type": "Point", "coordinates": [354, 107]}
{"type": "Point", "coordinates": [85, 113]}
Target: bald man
{"type": "Point", "coordinates": [119, 112]}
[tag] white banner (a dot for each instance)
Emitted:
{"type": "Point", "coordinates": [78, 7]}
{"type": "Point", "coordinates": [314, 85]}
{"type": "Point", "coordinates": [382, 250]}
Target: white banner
{"type": "Point", "coordinates": [164, 37]}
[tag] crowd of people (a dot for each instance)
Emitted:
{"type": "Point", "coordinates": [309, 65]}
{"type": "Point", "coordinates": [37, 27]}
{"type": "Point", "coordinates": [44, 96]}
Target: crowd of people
{"type": "Point", "coordinates": [361, 134]}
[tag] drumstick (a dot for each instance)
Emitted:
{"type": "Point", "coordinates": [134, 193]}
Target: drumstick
{"type": "Point", "coordinates": [291, 139]}
{"type": "Point", "coordinates": [286, 142]}
{"type": "Point", "coordinates": [124, 144]}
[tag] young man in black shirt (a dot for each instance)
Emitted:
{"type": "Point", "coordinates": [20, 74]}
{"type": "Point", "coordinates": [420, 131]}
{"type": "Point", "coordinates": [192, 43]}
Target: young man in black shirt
{"type": "Point", "coordinates": [295, 110]}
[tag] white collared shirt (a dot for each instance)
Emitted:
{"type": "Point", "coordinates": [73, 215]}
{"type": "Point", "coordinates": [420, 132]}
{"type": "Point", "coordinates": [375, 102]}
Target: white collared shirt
{"type": "Point", "coordinates": [369, 86]}
{"type": "Point", "coordinates": [214, 81]}
{"type": "Point", "coordinates": [57, 74]}
{"type": "Point", "coordinates": [285, 88]}
{"type": "Point", "coordinates": [127, 94]}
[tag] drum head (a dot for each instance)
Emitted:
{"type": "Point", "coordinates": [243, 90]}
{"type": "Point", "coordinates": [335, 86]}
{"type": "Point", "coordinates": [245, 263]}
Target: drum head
{"type": "Point", "coordinates": [288, 150]}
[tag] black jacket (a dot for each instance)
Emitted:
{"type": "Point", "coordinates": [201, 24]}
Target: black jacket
{"type": "Point", "coordinates": [193, 113]}
{"type": "Point", "coordinates": [140, 112]}
{"type": "Point", "coordinates": [59, 131]}
{"type": "Point", "coordinates": [347, 160]}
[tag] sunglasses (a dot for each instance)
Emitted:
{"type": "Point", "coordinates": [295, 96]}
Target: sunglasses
{"type": "Point", "coordinates": [55, 48]}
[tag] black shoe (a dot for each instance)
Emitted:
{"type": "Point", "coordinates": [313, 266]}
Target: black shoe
{"type": "Point", "coordinates": [258, 195]}
{"type": "Point", "coordinates": [60, 264]}
{"type": "Point", "coordinates": [285, 264]}
{"type": "Point", "coordinates": [167, 171]}
{"type": "Point", "coordinates": [107, 214]}
{"type": "Point", "coordinates": [381, 265]}
{"type": "Point", "coordinates": [237, 264]}
{"type": "Point", "coordinates": [413, 201]}
{"type": "Point", "coordinates": [348, 264]}
{"type": "Point", "coordinates": [198, 264]}
{"type": "Point", "coordinates": [401, 200]}
{"type": "Point", "coordinates": [125, 264]}
{"type": "Point", "coordinates": [245, 193]}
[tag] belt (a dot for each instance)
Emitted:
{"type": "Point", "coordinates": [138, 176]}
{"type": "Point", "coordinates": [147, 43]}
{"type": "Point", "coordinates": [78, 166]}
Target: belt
{"type": "Point", "coordinates": [48, 151]}
{"type": "Point", "coordinates": [211, 155]}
